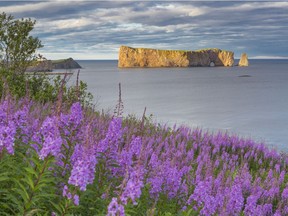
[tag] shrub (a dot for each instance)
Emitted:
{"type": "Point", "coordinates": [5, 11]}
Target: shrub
{"type": "Point", "coordinates": [43, 88]}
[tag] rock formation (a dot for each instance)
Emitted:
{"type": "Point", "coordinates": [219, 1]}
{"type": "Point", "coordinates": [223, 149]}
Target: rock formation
{"type": "Point", "coordinates": [243, 60]}
{"type": "Point", "coordinates": [49, 65]}
{"type": "Point", "coordinates": [143, 57]}
{"type": "Point", "coordinates": [65, 64]}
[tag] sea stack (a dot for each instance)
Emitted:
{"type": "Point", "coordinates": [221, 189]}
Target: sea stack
{"type": "Point", "coordinates": [243, 62]}
{"type": "Point", "coordinates": [144, 57]}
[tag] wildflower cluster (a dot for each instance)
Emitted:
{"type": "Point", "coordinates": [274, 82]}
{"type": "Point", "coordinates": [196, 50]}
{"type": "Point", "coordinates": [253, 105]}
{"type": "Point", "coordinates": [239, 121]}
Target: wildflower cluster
{"type": "Point", "coordinates": [148, 168]}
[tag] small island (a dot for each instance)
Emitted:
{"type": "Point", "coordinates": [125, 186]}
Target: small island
{"type": "Point", "coordinates": [69, 63]}
{"type": "Point", "coordinates": [50, 65]}
{"type": "Point", "coordinates": [143, 57]}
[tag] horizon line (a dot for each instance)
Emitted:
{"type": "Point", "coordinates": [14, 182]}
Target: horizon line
{"type": "Point", "coordinates": [252, 58]}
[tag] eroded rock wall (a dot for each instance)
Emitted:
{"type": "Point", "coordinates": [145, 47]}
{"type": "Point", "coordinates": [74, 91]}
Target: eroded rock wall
{"type": "Point", "coordinates": [143, 57]}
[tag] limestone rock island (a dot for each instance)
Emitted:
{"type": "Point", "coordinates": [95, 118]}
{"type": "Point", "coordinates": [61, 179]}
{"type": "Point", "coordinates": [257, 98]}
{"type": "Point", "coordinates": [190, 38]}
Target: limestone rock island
{"type": "Point", "coordinates": [143, 57]}
{"type": "Point", "coordinates": [243, 60]}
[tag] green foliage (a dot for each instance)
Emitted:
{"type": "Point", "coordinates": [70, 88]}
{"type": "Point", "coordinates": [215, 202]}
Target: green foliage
{"type": "Point", "coordinates": [17, 46]}
{"type": "Point", "coordinates": [27, 183]}
{"type": "Point", "coordinates": [17, 52]}
{"type": "Point", "coordinates": [43, 88]}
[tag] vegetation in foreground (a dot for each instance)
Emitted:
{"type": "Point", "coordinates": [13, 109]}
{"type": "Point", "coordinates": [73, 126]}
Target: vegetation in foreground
{"type": "Point", "coordinates": [59, 160]}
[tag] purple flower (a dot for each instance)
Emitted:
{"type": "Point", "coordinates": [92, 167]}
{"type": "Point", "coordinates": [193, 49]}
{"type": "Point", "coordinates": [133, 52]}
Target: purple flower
{"type": "Point", "coordinates": [66, 192]}
{"type": "Point", "coordinates": [115, 209]}
{"type": "Point", "coordinates": [127, 154]}
{"type": "Point", "coordinates": [251, 205]}
{"type": "Point", "coordinates": [22, 124]}
{"type": "Point", "coordinates": [272, 192]}
{"type": "Point", "coordinates": [277, 213]}
{"type": "Point", "coordinates": [135, 146]}
{"type": "Point", "coordinates": [132, 189]}
{"type": "Point", "coordinates": [156, 183]}
{"type": "Point", "coordinates": [285, 193]}
{"type": "Point", "coordinates": [217, 162]}
{"type": "Point", "coordinates": [76, 115]}
{"type": "Point", "coordinates": [174, 182]}
{"type": "Point", "coordinates": [277, 168]}
{"type": "Point", "coordinates": [20, 117]}
{"type": "Point", "coordinates": [83, 171]}
{"type": "Point", "coordinates": [7, 137]}
{"type": "Point", "coordinates": [267, 209]}
{"type": "Point", "coordinates": [282, 176]}
{"type": "Point", "coordinates": [70, 122]}
{"type": "Point", "coordinates": [76, 200]}
{"type": "Point", "coordinates": [113, 136]}
{"type": "Point", "coordinates": [108, 148]}
{"type": "Point", "coordinates": [285, 210]}
{"type": "Point", "coordinates": [52, 139]}
{"type": "Point", "coordinates": [235, 200]}
{"type": "Point", "coordinates": [51, 145]}
{"type": "Point", "coordinates": [202, 195]}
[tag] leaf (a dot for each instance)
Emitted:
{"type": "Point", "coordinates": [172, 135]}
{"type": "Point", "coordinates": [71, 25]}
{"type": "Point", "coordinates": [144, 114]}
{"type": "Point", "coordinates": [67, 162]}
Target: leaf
{"type": "Point", "coordinates": [22, 193]}
{"type": "Point", "coordinates": [12, 199]}
{"type": "Point", "coordinates": [28, 205]}
{"type": "Point", "coordinates": [6, 206]}
{"type": "Point", "coordinates": [44, 183]}
{"type": "Point", "coordinates": [29, 182]}
{"type": "Point", "coordinates": [21, 190]}
{"type": "Point", "coordinates": [60, 208]}
{"type": "Point", "coordinates": [4, 177]}
{"type": "Point", "coordinates": [31, 171]}
{"type": "Point", "coordinates": [44, 195]}
{"type": "Point", "coordinates": [32, 212]}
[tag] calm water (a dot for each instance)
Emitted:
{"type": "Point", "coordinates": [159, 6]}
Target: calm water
{"type": "Point", "coordinates": [250, 101]}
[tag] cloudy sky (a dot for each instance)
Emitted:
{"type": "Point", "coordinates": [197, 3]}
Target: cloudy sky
{"type": "Point", "coordinates": [96, 29]}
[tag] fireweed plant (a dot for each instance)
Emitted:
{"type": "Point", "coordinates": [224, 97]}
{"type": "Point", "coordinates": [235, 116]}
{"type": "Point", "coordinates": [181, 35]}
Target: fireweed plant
{"type": "Point", "coordinates": [75, 161]}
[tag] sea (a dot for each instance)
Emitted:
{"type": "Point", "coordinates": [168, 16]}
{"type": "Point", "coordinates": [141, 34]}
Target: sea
{"type": "Point", "coordinates": [251, 102]}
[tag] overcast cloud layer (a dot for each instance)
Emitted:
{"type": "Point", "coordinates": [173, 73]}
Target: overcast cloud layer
{"type": "Point", "coordinates": [96, 29]}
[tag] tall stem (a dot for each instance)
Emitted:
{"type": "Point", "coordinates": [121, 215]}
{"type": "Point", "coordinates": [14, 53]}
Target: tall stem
{"type": "Point", "coordinates": [35, 185]}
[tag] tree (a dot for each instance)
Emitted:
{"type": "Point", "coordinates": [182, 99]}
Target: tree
{"type": "Point", "coordinates": [17, 46]}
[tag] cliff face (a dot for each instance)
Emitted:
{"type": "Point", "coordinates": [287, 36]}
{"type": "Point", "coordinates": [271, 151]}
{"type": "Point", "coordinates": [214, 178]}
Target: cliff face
{"type": "Point", "coordinates": [142, 57]}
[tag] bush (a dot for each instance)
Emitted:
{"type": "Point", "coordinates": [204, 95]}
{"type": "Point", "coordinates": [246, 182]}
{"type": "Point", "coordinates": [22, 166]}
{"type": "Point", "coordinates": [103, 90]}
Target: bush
{"type": "Point", "coordinates": [43, 88]}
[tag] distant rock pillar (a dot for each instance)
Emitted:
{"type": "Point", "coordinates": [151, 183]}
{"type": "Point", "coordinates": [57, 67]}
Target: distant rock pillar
{"type": "Point", "coordinates": [243, 62]}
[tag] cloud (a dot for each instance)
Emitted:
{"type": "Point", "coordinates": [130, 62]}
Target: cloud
{"type": "Point", "coordinates": [65, 24]}
{"type": "Point", "coordinates": [95, 28]}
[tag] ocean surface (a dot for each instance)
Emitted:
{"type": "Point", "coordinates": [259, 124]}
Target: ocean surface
{"type": "Point", "coordinates": [249, 101]}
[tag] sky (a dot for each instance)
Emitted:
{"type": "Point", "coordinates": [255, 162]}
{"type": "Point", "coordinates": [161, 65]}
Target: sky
{"type": "Point", "coordinates": [96, 29]}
